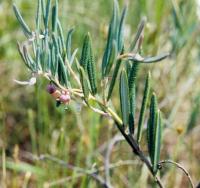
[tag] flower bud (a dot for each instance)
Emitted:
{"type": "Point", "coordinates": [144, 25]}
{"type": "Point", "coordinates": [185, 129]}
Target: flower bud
{"type": "Point", "coordinates": [51, 88]}
{"type": "Point", "coordinates": [65, 98]}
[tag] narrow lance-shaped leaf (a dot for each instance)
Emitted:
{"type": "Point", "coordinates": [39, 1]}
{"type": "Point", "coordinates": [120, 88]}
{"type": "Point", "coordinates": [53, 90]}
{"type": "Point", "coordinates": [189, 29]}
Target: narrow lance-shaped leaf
{"type": "Point", "coordinates": [128, 66]}
{"type": "Point", "coordinates": [143, 107]}
{"type": "Point", "coordinates": [121, 30]}
{"type": "Point", "coordinates": [116, 20]}
{"type": "Point", "coordinates": [55, 64]}
{"type": "Point", "coordinates": [139, 59]}
{"type": "Point", "coordinates": [151, 126]}
{"type": "Point", "coordinates": [54, 58]}
{"type": "Point", "coordinates": [112, 34]}
{"type": "Point", "coordinates": [61, 36]}
{"type": "Point", "coordinates": [84, 83]}
{"type": "Point", "coordinates": [69, 44]}
{"type": "Point", "coordinates": [91, 69]}
{"type": "Point", "coordinates": [55, 43]}
{"type": "Point", "coordinates": [54, 17]}
{"type": "Point", "coordinates": [138, 34]}
{"type": "Point", "coordinates": [60, 46]}
{"type": "Point", "coordinates": [24, 26]}
{"type": "Point", "coordinates": [48, 6]}
{"type": "Point", "coordinates": [44, 59]}
{"type": "Point", "coordinates": [114, 77]}
{"type": "Point", "coordinates": [21, 52]}
{"type": "Point", "coordinates": [43, 6]}
{"type": "Point", "coordinates": [156, 58]}
{"type": "Point", "coordinates": [133, 76]}
{"type": "Point", "coordinates": [157, 141]}
{"type": "Point", "coordinates": [132, 110]}
{"type": "Point", "coordinates": [85, 52]}
{"type": "Point", "coordinates": [49, 61]}
{"type": "Point", "coordinates": [28, 59]}
{"type": "Point", "coordinates": [112, 58]}
{"type": "Point", "coordinates": [131, 84]}
{"type": "Point", "coordinates": [124, 97]}
{"type": "Point", "coordinates": [38, 15]}
{"type": "Point", "coordinates": [38, 64]}
{"type": "Point", "coordinates": [63, 71]}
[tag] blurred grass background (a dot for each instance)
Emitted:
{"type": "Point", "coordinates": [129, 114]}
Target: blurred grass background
{"type": "Point", "coordinates": [31, 125]}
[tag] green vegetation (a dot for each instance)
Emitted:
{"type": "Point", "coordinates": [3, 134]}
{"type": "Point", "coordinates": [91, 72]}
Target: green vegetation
{"type": "Point", "coordinates": [73, 145]}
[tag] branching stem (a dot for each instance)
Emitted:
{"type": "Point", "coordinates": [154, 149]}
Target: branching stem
{"type": "Point", "coordinates": [131, 141]}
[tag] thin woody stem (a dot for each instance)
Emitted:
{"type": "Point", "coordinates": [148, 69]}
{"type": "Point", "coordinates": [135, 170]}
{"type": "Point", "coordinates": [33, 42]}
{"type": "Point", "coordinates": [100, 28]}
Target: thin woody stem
{"type": "Point", "coordinates": [137, 151]}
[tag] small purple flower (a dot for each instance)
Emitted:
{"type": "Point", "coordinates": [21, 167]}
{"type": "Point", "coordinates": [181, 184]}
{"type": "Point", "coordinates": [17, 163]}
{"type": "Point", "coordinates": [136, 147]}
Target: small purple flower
{"type": "Point", "coordinates": [51, 88]}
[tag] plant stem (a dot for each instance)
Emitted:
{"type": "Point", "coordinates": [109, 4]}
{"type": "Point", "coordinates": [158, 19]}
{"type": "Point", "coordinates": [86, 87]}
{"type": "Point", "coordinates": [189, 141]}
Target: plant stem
{"type": "Point", "coordinates": [137, 151]}
{"type": "Point", "coordinates": [178, 166]}
{"type": "Point", "coordinates": [129, 138]}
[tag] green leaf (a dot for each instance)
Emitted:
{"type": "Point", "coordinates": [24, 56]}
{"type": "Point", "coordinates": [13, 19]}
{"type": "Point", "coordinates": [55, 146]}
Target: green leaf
{"type": "Point", "coordinates": [49, 61]}
{"type": "Point", "coordinates": [38, 64]}
{"type": "Point", "coordinates": [87, 62]}
{"type": "Point", "coordinates": [112, 35]}
{"type": "Point", "coordinates": [91, 70]}
{"type": "Point", "coordinates": [84, 84]}
{"type": "Point", "coordinates": [139, 59]}
{"type": "Point", "coordinates": [61, 36]}
{"type": "Point", "coordinates": [132, 110]}
{"type": "Point", "coordinates": [114, 77]}
{"type": "Point", "coordinates": [157, 142]}
{"type": "Point", "coordinates": [121, 30]}
{"type": "Point", "coordinates": [54, 58]}
{"type": "Point", "coordinates": [151, 126]}
{"type": "Point", "coordinates": [138, 34]}
{"type": "Point", "coordinates": [60, 45]}
{"type": "Point", "coordinates": [132, 76]}
{"type": "Point", "coordinates": [43, 6]}
{"type": "Point", "coordinates": [55, 43]}
{"type": "Point", "coordinates": [48, 6]}
{"type": "Point", "coordinates": [62, 71]}
{"type": "Point", "coordinates": [124, 97]}
{"type": "Point", "coordinates": [38, 15]}
{"type": "Point", "coordinates": [44, 59]}
{"type": "Point", "coordinates": [85, 52]}
{"type": "Point", "coordinates": [131, 84]}
{"type": "Point", "coordinates": [143, 107]}
{"type": "Point", "coordinates": [156, 58]}
{"type": "Point", "coordinates": [28, 59]}
{"type": "Point", "coordinates": [24, 26]}
{"type": "Point", "coordinates": [68, 44]}
{"type": "Point", "coordinates": [54, 17]}
{"type": "Point", "coordinates": [112, 58]}
{"type": "Point", "coordinates": [21, 52]}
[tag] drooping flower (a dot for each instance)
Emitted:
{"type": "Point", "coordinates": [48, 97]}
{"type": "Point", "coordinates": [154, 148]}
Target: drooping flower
{"type": "Point", "coordinates": [51, 88]}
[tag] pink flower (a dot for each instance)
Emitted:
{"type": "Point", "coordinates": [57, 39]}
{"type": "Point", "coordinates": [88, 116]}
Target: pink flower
{"type": "Point", "coordinates": [65, 98]}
